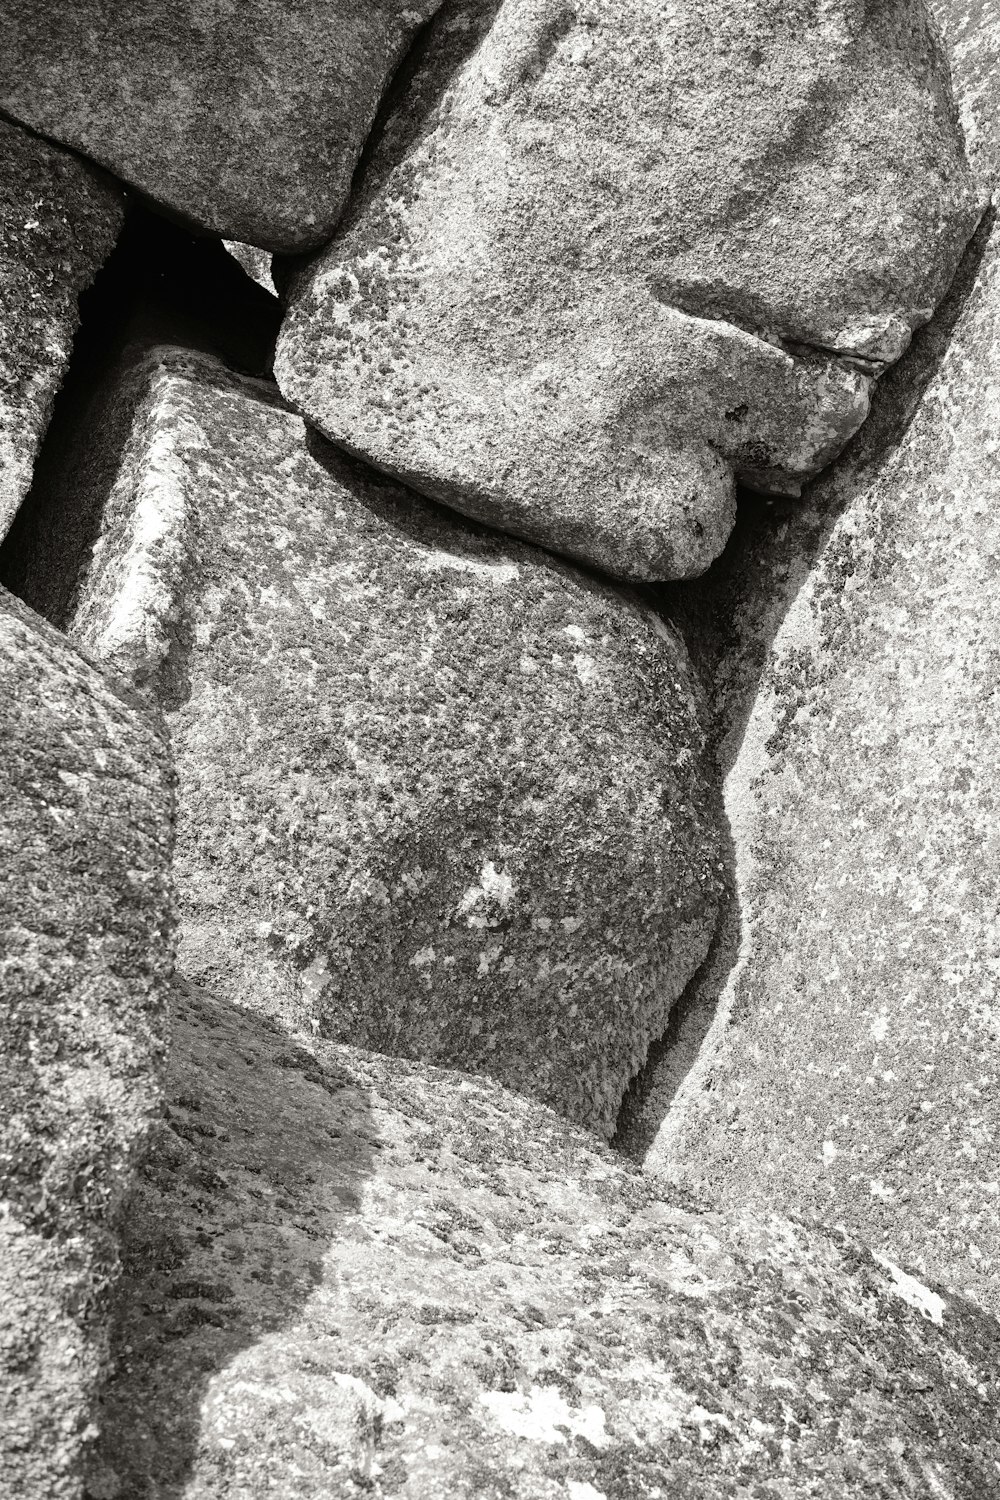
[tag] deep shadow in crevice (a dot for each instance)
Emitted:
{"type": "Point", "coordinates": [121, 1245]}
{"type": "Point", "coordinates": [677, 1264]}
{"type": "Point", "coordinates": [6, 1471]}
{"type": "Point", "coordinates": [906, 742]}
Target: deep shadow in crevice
{"type": "Point", "coordinates": [671, 1057]}
{"type": "Point", "coordinates": [161, 284]}
{"type": "Point", "coordinates": [729, 618]}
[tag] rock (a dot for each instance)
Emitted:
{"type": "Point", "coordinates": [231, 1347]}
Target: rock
{"type": "Point", "coordinates": [607, 255]}
{"type": "Point", "coordinates": [350, 1275]}
{"type": "Point", "coordinates": [258, 128]}
{"type": "Point", "coordinates": [85, 924]}
{"type": "Point", "coordinates": [256, 263]}
{"type": "Point", "coordinates": [973, 42]}
{"type": "Point", "coordinates": [439, 794]}
{"type": "Point", "coordinates": [854, 1067]}
{"type": "Point", "coordinates": [58, 221]}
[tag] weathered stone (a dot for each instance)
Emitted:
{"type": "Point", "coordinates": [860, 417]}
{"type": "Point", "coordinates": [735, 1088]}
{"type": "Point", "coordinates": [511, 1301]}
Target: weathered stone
{"type": "Point", "coordinates": [854, 1066]}
{"type": "Point", "coordinates": [439, 793]}
{"type": "Point", "coordinates": [606, 254]}
{"type": "Point", "coordinates": [246, 117]}
{"type": "Point", "coordinates": [354, 1276]}
{"type": "Point", "coordinates": [255, 262]}
{"type": "Point", "coordinates": [84, 954]}
{"type": "Point", "coordinates": [58, 221]}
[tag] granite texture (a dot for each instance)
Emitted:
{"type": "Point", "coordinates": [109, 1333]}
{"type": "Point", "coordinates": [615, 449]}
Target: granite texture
{"type": "Point", "coordinates": [243, 117]}
{"type": "Point", "coordinates": [349, 1275]}
{"type": "Point", "coordinates": [58, 221]}
{"type": "Point", "coordinates": [607, 254]}
{"type": "Point", "coordinates": [853, 1068]}
{"type": "Point", "coordinates": [85, 926]}
{"type": "Point", "coordinates": [439, 794]}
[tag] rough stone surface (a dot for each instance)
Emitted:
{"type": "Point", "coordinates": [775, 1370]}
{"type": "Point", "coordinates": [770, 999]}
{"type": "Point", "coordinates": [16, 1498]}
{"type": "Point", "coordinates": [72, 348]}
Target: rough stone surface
{"type": "Point", "coordinates": [246, 117]}
{"type": "Point", "coordinates": [354, 1276]}
{"type": "Point", "coordinates": [439, 793]}
{"type": "Point", "coordinates": [854, 1065]}
{"type": "Point", "coordinates": [58, 221]}
{"type": "Point", "coordinates": [85, 926]}
{"type": "Point", "coordinates": [255, 262]}
{"type": "Point", "coordinates": [608, 254]}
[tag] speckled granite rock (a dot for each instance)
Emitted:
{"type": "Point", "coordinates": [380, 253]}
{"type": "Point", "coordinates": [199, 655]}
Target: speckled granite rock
{"type": "Point", "coordinates": [255, 262]}
{"type": "Point", "coordinates": [972, 35]}
{"type": "Point", "coordinates": [854, 1067]}
{"type": "Point", "coordinates": [58, 221]}
{"type": "Point", "coordinates": [84, 955]}
{"type": "Point", "coordinates": [439, 794]}
{"type": "Point", "coordinates": [608, 254]}
{"type": "Point", "coordinates": [354, 1276]}
{"type": "Point", "coordinates": [245, 117]}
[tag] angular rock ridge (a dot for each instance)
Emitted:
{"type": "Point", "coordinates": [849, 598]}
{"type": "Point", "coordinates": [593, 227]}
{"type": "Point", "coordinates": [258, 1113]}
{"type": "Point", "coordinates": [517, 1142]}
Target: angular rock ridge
{"type": "Point", "coordinates": [85, 926]}
{"type": "Point", "coordinates": [439, 793]}
{"type": "Point", "coordinates": [245, 117]}
{"type": "Point", "coordinates": [608, 256]}
{"type": "Point", "coordinates": [350, 1275]}
{"type": "Point", "coordinates": [59, 219]}
{"type": "Point", "coordinates": [854, 1068]}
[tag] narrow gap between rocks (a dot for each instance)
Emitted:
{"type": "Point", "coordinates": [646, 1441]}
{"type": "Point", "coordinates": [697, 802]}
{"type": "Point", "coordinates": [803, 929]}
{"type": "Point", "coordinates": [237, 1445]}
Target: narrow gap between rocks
{"type": "Point", "coordinates": [708, 611]}
{"type": "Point", "coordinates": [161, 284]}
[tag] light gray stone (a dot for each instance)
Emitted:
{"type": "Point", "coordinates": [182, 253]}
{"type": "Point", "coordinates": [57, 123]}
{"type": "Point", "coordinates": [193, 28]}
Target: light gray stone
{"type": "Point", "coordinates": [608, 255]}
{"type": "Point", "coordinates": [245, 117]}
{"type": "Point", "coordinates": [85, 927]}
{"type": "Point", "coordinates": [353, 1276]}
{"type": "Point", "coordinates": [59, 219]}
{"type": "Point", "coordinates": [440, 794]}
{"type": "Point", "coordinates": [853, 1069]}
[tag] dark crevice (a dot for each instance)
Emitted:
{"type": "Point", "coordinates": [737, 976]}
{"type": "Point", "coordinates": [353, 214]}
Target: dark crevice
{"type": "Point", "coordinates": [729, 618]}
{"type": "Point", "coordinates": [161, 284]}
{"type": "Point", "coordinates": [672, 1056]}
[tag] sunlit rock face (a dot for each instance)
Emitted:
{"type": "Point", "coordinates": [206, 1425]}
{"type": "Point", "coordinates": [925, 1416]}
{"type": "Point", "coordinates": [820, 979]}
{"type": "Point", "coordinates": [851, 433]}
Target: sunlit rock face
{"type": "Point", "coordinates": [607, 257]}
{"type": "Point", "coordinates": [854, 1069]}
{"type": "Point", "coordinates": [348, 1275]}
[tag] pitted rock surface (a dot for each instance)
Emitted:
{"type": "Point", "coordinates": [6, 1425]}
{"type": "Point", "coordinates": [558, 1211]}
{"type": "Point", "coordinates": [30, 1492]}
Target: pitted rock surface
{"type": "Point", "coordinates": [59, 219]}
{"type": "Point", "coordinates": [606, 256]}
{"type": "Point", "coordinates": [245, 117]}
{"type": "Point", "coordinates": [439, 793]}
{"type": "Point", "coordinates": [854, 1070]}
{"type": "Point", "coordinates": [85, 924]}
{"type": "Point", "coordinates": [354, 1276]}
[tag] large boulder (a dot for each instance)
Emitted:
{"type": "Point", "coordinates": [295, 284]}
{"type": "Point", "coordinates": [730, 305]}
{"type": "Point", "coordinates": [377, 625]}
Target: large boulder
{"type": "Point", "coordinates": [353, 1276]}
{"type": "Point", "coordinates": [58, 221]}
{"type": "Point", "coordinates": [439, 794]}
{"type": "Point", "coordinates": [607, 255]}
{"type": "Point", "coordinates": [85, 925]}
{"type": "Point", "coordinates": [245, 117]}
{"type": "Point", "coordinates": [854, 1066]}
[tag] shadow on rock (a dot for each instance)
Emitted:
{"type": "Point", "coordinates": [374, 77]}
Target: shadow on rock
{"type": "Point", "coordinates": [256, 1168]}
